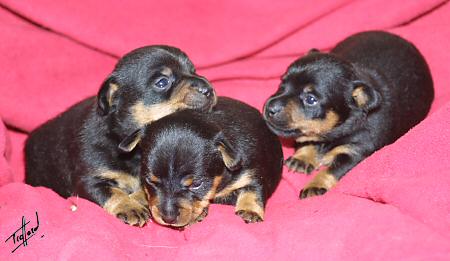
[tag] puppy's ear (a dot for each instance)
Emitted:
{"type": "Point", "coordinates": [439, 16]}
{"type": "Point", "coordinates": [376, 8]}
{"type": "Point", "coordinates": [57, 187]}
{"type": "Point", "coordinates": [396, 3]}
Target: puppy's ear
{"type": "Point", "coordinates": [106, 94]}
{"type": "Point", "coordinates": [129, 143]}
{"type": "Point", "coordinates": [313, 50]}
{"type": "Point", "coordinates": [230, 157]}
{"type": "Point", "coordinates": [365, 97]}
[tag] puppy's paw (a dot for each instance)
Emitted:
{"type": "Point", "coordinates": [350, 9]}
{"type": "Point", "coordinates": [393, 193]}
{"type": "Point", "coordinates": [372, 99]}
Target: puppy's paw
{"type": "Point", "coordinates": [312, 191]}
{"type": "Point", "coordinates": [202, 215]}
{"type": "Point", "coordinates": [297, 165]}
{"type": "Point", "coordinates": [132, 212]}
{"type": "Point", "coordinates": [320, 184]}
{"type": "Point", "coordinates": [249, 216]}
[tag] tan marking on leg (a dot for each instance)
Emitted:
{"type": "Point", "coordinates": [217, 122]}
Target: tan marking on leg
{"type": "Point", "coordinates": [323, 181]}
{"type": "Point", "coordinates": [248, 205]}
{"type": "Point", "coordinates": [308, 154]}
{"type": "Point", "coordinates": [140, 197]}
{"type": "Point", "coordinates": [128, 209]}
{"type": "Point", "coordinates": [330, 156]}
{"type": "Point", "coordinates": [124, 180]}
{"type": "Point", "coordinates": [245, 179]}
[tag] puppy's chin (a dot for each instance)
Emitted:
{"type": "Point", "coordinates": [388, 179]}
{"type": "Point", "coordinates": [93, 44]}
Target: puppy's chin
{"type": "Point", "coordinates": [201, 104]}
{"type": "Point", "coordinates": [283, 132]}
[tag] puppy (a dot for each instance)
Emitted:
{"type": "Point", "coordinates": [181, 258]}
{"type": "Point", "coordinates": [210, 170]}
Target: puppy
{"type": "Point", "coordinates": [189, 159]}
{"type": "Point", "coordinates": [342, 106]}
{"type": "Point", "coordinates": [76, 152]}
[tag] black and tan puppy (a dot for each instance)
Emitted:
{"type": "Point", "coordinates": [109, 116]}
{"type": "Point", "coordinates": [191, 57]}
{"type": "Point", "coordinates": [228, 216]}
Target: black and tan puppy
{"type": "Point", "coordinates": [77, 152]}
{"type": "Point", "coordinates": [342, 106]}
{"type": "Point", "coordinates": [190, 159]}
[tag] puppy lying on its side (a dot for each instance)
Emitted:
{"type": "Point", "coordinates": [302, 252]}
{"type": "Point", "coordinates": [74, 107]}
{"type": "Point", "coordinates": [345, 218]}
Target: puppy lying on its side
{"type": "Point", "coordinates": [76, 153]}
{"type": "Point", "coordinates": [342, 106]}
{"type": "Point", "coordinates": [228, 156]}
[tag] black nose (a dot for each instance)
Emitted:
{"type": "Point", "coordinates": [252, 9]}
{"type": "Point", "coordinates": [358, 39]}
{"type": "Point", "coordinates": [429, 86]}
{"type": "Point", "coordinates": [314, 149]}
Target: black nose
{"type": "Point", "coordinates": [273, 108]}
{"type": "Point", "coordinates": [169, 212]}
{"type": "Point", "coordinates": [204, 90]}
{"type": "Point", "coordinates": [202, 86]}
{"type": "Point", "coordinates": [171, 219]}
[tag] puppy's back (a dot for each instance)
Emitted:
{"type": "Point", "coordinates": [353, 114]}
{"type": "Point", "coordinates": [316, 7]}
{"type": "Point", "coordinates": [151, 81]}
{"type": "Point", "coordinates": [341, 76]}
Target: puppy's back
{"type": "Point", "coordinates": [408, 88]}
{"type": "Point", "coordinates": [244, 126]}
{"type": "Point", "coordinates": [50, 150]}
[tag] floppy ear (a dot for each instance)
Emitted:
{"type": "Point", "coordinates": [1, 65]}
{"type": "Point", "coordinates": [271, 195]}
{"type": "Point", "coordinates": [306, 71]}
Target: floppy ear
{"type": "Point", "coordinates": [106, 94]}
{"type": "Point", "coordinates": [129, 143]}
{"type": "Point", "coordinates": [364, 96]}
{"type": "Point", "coordinates": [230, 157]}
{"type": "Point", "coordinates": [313, 50]}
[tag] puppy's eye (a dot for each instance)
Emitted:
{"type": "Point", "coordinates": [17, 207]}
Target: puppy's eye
{"type": "Point", "coordinates": [162, 83]}
{"type": "Point", "coordinates": [196, 185]}
{"type": "Point", "coordinates": [310, 100]}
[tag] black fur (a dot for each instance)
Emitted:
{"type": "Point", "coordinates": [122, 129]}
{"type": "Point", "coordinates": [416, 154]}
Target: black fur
{"type": "Point", "coordinates": [395, 93]}
{"type": "Point", "coordinates": [67, 153]}
{"type": "Point", "coordinates": [185, 145]}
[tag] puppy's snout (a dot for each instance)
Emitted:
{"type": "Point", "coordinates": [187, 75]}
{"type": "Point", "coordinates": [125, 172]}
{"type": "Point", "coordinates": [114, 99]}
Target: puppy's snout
{"type": "Point", "coordinates": [202, 87]}
{"type": "Point", "coordinates": [273, 108]}
{"type": "Point", "coordinates": [170, 219]}
{"type": "Point", "coordinates": [169, 213]}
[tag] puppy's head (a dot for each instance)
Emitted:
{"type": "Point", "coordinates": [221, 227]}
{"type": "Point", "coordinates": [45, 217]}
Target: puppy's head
{"type": "Point", "coordinates": [183, 160]}
{"type": "Point", "coordinates": [320, 95]}
{"type": "Point", "coordinates": [150, 83]}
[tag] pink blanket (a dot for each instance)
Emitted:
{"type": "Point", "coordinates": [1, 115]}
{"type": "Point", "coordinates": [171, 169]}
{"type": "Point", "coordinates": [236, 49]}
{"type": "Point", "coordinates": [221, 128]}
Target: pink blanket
{"type": "Point", "coordinates": [395, 205]}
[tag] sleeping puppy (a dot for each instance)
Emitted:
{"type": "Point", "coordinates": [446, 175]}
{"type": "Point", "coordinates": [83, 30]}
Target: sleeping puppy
{"type": "Point", "coordinates": [342, 106]}
{"type": "Point", "coordinates": [190, 159]}
{"type": "Point", "coordinates": [76, 152]}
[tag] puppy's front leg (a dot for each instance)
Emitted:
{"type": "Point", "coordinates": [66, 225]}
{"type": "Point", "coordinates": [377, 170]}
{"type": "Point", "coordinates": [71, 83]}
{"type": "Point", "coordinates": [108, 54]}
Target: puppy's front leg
{"type": "Point", "coordinates": [250, 204]}
{"type": "Point", "coordinates": [120, 194]}
{"type": "Point", "coordinates": [305, 159]}
{"type": "Point", "coordinates": [124, 207]}
{"type": "Point", "coordinates": [339, 161]}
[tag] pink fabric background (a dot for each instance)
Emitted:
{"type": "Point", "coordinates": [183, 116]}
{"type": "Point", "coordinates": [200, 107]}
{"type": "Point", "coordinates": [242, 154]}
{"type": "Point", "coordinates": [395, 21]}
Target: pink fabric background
{"type": "Point", "coordinates": [395, 205]}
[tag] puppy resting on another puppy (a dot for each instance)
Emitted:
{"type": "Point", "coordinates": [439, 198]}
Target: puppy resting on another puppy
{"type": "Point", "coordinates": [342, 106]}
{"type": "Point", "coordinates": [228, 156]}
{"type": "Point", "coordinates": [77, 152]}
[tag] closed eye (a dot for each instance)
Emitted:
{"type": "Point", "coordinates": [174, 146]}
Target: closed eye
{"type": "Point", "coordinates": [152, 179]}
{"type": "Point", "coordinates": [196, 185]}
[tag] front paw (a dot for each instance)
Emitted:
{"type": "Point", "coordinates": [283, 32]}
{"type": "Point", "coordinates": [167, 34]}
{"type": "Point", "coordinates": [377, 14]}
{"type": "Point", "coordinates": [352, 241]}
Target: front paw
{"type": "Point", "coordinates": [311, 192]}
{"type": "Point", "coordinates": [132, 212]}
{"type": "Point", "coordinates": [202, 215]}
{"type": "Point", "coordinates": [249, 216]}
{"type": "Point", "coordinates": [321, 183]}
{"type": "Point", "coordinates": [297, 165]}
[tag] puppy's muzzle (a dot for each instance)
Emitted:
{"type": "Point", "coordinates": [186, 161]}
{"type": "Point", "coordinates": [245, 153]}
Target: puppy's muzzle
{"type": "Point", "coordinates": [273, 109]}
{"type": "Point", "coordinates": [169, 215]}
{"type": "Point", "coordinates": [202, 86]}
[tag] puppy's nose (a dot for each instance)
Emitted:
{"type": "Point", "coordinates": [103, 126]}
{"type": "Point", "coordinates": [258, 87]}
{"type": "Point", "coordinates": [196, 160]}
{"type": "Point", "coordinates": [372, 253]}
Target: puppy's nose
{"type": "Point", "coordinates": [169, 212]}
{"type": "Point", "coordinates": [202, 86]}
{"type": "Point", "coordinates": [171, 219]}
{"type": "Point", "coordinates": [273, 108]}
